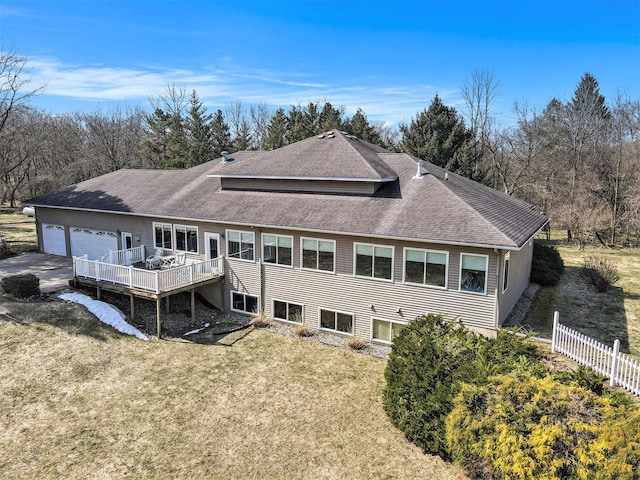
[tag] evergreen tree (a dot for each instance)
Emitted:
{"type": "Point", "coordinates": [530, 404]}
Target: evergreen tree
{"type": "Point", "coordinates": [330, 118]}
{"type": "Point", "coordinates": [221, 134]}
{"type": "Point", "coordinates": [201, 148]}
{"type": "Point", "coordinates": [276, 131]}
{"type": "Point", "coordinates": [438, 135]}
{"type": "Point", "coordinates": [243, 138]}
{"type": "Point", "coordinates": [155, 140]}
{"type": "Point", "coordinates": [176, 153]}
{"type": "Point", "coordinates": [359, 126]}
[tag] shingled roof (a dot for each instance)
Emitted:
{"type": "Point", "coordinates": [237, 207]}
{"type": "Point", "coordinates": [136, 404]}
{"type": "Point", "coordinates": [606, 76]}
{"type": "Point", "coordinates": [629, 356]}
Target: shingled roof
{"type": "Point", "coordinates": [440, 207]}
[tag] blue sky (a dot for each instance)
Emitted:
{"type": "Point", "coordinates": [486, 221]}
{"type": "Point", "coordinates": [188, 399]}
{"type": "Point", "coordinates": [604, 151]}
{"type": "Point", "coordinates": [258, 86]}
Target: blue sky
{"type": "Point", "coordinates": [388, 57]}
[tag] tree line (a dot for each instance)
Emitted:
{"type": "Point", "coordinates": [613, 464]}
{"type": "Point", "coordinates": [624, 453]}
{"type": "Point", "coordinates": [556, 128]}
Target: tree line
{"type": "Point", "coordinates": [576, 161]}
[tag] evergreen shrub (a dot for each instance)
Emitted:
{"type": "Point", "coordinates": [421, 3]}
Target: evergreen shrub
{"type": "Point", "coordinates": [520, 426]}
{"type": "Point", "coordinates": [430, 359]}
{"type": "Point", "coordinates": [22, 286]}
{"type": "Point", "coordinates": [547, 265]}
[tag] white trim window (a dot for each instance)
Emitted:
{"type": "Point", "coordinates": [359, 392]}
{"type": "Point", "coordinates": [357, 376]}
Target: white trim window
{"type": "Point", "coordinates": [186, 238]}
{"type": "Point", "coordinates": [426, 267]}
{"type": "Point", "coordinates": [505, 271]}
{"type": "Point", "coordinates": [372, 261]}
{"type": "Point", "coordinates": [473, 273]}
{"type": "Point", "coordinates": [162, 235]}
{"type": "Point", "coordinates": [318, 254]}
{"type": "Point", "coordinates": [340, 322]}
{"type": "Point", "coordinates": [384, 331]}
{"type": "Point", "coordinates": [277, 249]}
{"type": "Point", "coordinates": [288, 312]}
{"type": "Point", "coordinates": [244, 303]}
{"type": "Point", "coordinates": [240, 245]}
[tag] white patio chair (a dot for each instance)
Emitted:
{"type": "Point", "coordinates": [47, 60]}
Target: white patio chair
{"type": "Point", "coordinates": [155, 260]}
{"type": "Point", "coordinates": [178, 260]}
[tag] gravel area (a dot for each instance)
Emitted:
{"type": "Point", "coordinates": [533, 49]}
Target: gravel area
{"type": "Point", "coordinates": [522, 306]}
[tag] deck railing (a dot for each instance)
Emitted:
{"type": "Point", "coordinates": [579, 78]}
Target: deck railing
{"type": "Point", "coordinates": [127, 257]}
{"type": "Point", "coordinates": [156, 281]}
{"type": "Point", "coordinates": [622, 369]}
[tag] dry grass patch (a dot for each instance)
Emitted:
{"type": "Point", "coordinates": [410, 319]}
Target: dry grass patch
{"type": "Point", "coordinates": [79, 400]}
{"type": "Point", "coordinates": [20, 231]}
{"type": "Point", "coordinates": [603, 316]}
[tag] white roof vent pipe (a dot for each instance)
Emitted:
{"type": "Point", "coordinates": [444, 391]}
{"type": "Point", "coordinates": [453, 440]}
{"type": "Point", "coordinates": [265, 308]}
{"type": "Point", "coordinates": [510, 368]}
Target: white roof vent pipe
{"type": "Point", "coordinates": [419, 172]}
{"type": "Point", "coordinates": [225, 157]}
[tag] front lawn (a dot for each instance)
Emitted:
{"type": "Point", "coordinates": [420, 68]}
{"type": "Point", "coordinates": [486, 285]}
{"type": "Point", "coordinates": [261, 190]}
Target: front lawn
{"type": "Point", "coordinates": [79, 400]}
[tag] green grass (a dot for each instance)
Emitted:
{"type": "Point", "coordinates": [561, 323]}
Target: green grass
{"type": "Point", "coordinates": [603, 316]}
{"type": "Point", "coordinates": [79, 400]}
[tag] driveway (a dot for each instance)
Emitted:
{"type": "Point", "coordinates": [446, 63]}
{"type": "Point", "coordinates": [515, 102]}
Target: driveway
{"type": "Point", "coordinates": [53, 271]}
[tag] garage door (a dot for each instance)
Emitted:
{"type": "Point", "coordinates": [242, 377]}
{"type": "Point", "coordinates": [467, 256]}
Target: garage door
{"type": "Point", "coordinates": [53, 239]}
{"type": "Point", "coordinates": [93, 243]}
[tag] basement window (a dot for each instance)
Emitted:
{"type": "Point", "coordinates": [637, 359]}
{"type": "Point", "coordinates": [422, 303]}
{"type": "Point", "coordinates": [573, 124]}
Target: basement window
{"type": "Point", "coordinates": [244, 303]}
{"type": "Point", "coordinates": [290, 312]}
{"type": "Point", "coordinates": [340, 322]}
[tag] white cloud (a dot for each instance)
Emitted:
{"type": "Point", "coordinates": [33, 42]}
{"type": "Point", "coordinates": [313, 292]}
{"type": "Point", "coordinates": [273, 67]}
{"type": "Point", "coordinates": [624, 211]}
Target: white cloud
{"type": "Point", "coordinates": [381, 100]}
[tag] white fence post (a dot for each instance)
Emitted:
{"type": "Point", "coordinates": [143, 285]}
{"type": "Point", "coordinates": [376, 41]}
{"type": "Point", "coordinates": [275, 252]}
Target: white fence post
{"type": "Point", "coordinates": [554, 337]}
{"type": "Point", "coordinates": [615, 359]}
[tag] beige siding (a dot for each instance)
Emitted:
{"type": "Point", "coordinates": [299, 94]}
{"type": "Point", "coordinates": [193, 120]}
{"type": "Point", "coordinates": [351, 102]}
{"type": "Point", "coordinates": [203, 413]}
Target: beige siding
{"type": "Point", "coordinates": [519, 273]}
{"type": "Point", "coordinates": [365, 298]}
{"type": "Point", "coordinates": [343, 292]}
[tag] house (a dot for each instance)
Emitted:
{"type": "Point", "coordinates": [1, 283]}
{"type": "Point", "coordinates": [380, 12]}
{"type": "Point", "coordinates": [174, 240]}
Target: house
{"type": "Point", "coordinates": [331, 231]}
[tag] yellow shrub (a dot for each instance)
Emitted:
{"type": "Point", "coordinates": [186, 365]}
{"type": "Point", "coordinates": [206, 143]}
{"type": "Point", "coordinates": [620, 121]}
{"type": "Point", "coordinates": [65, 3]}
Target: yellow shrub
{"type": "Point", "coordinates": [522, 427]}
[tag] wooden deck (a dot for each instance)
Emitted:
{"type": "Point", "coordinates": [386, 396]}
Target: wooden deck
{"type": "Point", "coordinates": [149, 284]}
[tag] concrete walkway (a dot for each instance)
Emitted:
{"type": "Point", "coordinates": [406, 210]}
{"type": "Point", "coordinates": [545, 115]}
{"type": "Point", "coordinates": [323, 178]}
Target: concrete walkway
{"type": "Point", "coordinates": [53, 271]}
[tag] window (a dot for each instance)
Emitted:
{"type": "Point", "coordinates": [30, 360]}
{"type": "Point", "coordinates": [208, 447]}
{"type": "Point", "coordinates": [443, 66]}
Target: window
{"type": "Point", "coordinates": [385, 330]}
{"type": "Point", "coordinates": [186, 238]}
{"type": "Point", "coordinates": [336, 321]}
{"type": "Point", "coordinates": [426, 267]}
{"type": "Point", "coordinates": [162, 235]}
{"type": "Point", "coordinates": [473, 273]}
{"type": "Point", "coordinates": [242, 302]}
{"type": "Point", "coordinates": [290, 312]}
{"type": "Point", "coordinates": [240, 245]}
{"type": "Point", "coordinates": [505, 271]}
{"type": "Point", "coordinates": [372, 261]}
{"type": "Point", "coordinates": [277, 249]}
{"type": "Point", "coordinates": [318, 254]}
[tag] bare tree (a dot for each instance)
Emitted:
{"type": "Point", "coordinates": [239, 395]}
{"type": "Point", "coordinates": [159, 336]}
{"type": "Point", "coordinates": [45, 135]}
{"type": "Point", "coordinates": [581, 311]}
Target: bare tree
{"type": "Point", "coordinates": [260, 119]}
{"type": "Point", "coordinates": [113, 137]}
{"type": "Point", "coordinates": [15, 92]}
{"type": "Point", "coordinates": [15, 89]}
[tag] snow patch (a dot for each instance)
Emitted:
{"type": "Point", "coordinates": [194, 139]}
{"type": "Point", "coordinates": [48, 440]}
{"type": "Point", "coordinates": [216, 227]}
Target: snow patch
{"type": "Point", "coordinates": [198, 330]}
{"type": "Point", "coordinates": [106, 313]}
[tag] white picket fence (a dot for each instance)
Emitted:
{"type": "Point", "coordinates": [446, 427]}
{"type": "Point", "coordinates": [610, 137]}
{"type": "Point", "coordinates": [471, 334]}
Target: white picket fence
{"type": "Point", "coordinates": [622, 369]}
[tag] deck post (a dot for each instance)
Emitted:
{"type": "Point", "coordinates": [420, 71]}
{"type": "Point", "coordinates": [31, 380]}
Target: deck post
{"type": "Point", "coordinates": [98, 291]}
{"type": "Point", "coordinates": [133, 307]}
{"type": "Point", "coordinates": [193, 305]}
{"type": "Point", "coordinates": [158, 322]}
